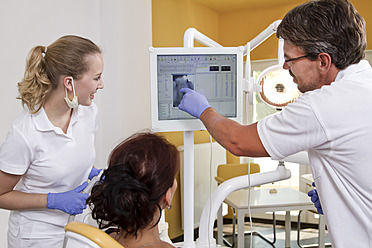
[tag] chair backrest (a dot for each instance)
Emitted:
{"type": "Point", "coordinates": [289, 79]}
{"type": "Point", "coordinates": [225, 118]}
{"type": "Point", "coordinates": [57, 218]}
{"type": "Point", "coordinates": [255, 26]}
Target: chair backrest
{"type": "Point", "coordinates": [228, 171]}
{"type": "Point", "coordinates": [84, 234]}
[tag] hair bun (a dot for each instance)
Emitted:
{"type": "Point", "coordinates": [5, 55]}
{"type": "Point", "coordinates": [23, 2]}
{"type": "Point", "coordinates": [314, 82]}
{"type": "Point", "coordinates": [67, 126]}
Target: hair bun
{"type": "Point", "coordinates": [121, 199]}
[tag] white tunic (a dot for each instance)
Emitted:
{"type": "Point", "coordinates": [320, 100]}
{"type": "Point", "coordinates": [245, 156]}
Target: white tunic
{"type": "Point", "coordinates": [50, 161]}
{"type": "Point", "coordinates": [334, 124]}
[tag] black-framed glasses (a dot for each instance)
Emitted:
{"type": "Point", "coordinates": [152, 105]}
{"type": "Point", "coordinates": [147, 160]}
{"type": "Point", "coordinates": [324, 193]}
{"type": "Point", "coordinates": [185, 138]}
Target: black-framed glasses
{"type": "Point", "coordinates": [294, 59]}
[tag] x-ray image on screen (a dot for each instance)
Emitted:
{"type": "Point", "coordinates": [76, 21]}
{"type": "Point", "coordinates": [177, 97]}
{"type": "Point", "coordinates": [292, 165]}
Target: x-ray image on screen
{"type": "Point", "coordinates": [179, 82]}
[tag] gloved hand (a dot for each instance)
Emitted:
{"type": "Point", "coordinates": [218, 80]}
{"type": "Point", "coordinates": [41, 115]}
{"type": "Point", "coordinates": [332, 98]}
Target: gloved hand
{"type": "Point", "coordinates": [193, 102]}
{"type": "Point", "coordinates": [71, 202]}
{"type": "Point", "coordinates": [315, 199]}
{"type": "Point", "coordinates": [94, 172]}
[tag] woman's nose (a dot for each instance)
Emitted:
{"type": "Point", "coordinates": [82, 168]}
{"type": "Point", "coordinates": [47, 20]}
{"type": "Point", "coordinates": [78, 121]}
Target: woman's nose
{"type": "Point", "coordinates": [101, 85]}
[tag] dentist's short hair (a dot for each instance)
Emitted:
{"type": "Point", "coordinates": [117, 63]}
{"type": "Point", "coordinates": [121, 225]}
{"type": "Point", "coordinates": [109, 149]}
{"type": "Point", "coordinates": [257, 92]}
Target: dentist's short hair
{"type": "Point", "coordinates": [329, 26]}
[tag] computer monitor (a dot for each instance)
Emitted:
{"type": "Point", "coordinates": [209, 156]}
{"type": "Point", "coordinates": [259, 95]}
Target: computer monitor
{"type": "Point", "coordinates": [215, 72]}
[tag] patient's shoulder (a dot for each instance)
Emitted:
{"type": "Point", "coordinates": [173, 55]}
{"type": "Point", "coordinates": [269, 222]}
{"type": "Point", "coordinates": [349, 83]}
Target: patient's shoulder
{"type": "Point", "coordinates": [162, 245]}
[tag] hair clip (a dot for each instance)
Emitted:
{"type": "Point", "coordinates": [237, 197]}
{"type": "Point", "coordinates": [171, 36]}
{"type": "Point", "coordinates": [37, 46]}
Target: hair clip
{"type": "Point", "coordinates": [44, 52]}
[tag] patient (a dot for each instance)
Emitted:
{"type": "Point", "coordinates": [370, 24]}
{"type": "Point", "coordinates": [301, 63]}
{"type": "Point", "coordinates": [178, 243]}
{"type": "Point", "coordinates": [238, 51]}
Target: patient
{"type": "Point", "coordinates": [138, 184]}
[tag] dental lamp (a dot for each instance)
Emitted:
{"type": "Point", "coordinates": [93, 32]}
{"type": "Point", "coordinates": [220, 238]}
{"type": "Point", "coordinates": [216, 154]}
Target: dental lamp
{"type": "Point", "coordinates": [277, 88]}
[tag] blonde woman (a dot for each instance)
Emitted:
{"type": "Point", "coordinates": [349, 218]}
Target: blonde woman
{"type": "Point", "coordinates": [49, 151]}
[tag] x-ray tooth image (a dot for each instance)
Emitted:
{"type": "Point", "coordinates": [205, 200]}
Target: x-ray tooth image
{"type": "Point", "coordinates": [179, 82]}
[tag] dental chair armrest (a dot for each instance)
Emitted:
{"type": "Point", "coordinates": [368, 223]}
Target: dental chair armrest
{"type": "Point", "coordinates": [219, 179]}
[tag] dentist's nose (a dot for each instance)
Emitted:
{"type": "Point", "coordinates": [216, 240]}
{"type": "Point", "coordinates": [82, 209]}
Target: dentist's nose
{"type": "Point", "coordinates": [101, 85]}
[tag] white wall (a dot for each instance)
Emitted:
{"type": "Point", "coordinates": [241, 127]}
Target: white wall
{"type": "Point", "coordinates": [122, 28]}
{"type": "Point", "coordinates": [126, 35]}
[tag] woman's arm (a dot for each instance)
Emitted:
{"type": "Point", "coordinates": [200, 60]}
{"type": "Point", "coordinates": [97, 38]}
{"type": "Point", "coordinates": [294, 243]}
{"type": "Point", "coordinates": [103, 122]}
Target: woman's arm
{"type": "Point", "coordinates": [15, 200]}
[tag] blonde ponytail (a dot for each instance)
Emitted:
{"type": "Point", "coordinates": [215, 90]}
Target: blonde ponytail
{"type": "Point", "coordinates": [35, 84]}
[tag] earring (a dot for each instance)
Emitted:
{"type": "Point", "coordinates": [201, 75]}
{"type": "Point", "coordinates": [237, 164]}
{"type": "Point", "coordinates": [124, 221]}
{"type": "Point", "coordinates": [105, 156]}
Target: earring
{"type": "Point", "coordinates": [168, 207]}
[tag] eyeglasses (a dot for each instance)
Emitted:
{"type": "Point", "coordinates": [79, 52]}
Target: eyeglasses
{"type": "Point", "coordinates": [294, 59]}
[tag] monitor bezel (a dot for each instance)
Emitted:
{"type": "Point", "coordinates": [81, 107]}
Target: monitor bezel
{"type": "Point", "coordinates": [190, 124]}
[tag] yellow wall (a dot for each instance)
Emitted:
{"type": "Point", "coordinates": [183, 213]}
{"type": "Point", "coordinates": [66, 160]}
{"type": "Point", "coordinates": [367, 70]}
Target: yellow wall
{"type": "Point", "coordinates": [364, 8]}
{"type": "Point", "coordinates": [171, 18]}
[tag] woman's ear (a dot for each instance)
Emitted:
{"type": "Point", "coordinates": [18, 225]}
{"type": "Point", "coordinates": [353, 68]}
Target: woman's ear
{"type": "Point", "coordinates": [168, 197]}
{"type": "Point", "coordinates": [170, 193]}
{"type": "Point", "coordinates": [68, 82]}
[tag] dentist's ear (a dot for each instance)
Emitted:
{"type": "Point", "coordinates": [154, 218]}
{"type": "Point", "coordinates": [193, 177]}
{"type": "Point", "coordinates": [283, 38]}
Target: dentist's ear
{"type": "Point", "coordinates": [68, 82]}
{"type": "Point", "coordinates": [325, 62]}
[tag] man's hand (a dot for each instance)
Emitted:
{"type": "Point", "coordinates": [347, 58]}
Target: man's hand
{"type": "Point", "coordinates": [193, 102]}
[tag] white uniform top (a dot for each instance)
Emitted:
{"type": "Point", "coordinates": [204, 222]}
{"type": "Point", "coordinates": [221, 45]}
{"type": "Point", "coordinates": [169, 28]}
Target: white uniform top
{"type": "Point", "coordinates": [334, 124]}
{"type": "Point", "coordinates": [50, 161]}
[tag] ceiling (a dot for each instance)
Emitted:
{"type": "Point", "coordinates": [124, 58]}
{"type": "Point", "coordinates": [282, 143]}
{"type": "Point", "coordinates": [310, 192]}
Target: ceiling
{"type": "Point", "coordinates": [223, 6]}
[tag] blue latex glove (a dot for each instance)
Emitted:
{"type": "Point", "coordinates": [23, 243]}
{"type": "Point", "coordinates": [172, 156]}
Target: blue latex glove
{"type": "Point", "coordinates": [193, 102]}
{"type": "Point", "coordinates": [72, 202]}
{"type": "Point", "coordinates": [94, 172]}
{"type": "Point", "coordinates": [315, 199]}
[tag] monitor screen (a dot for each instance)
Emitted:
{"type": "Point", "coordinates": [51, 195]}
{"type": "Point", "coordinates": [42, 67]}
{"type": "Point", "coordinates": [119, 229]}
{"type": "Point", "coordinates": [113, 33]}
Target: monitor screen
{"type": "Point", "coordinates": [214, 72]}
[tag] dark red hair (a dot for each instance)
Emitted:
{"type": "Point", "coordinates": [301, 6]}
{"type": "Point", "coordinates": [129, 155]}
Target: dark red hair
{"type": "Point", "coordinates": [140, 171]}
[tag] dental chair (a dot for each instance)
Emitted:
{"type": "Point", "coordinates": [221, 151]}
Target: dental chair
{"type": "Point", "coordinates": [81, 235]}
